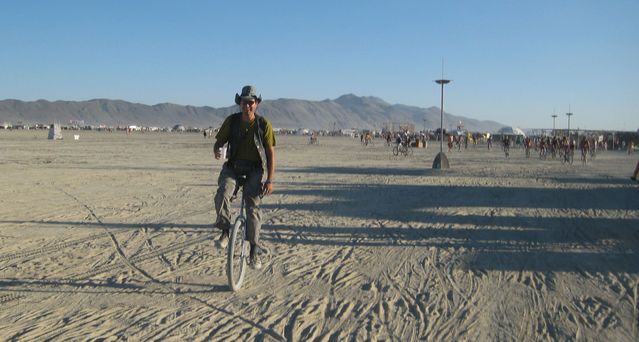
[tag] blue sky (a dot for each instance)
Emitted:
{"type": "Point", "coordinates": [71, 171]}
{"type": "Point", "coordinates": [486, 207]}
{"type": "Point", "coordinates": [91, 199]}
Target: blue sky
{"type": "Point", "coordinates": [514, 62]}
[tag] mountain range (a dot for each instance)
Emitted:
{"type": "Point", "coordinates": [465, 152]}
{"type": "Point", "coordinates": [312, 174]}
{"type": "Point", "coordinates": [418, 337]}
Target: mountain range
{"type": "Point", "coordinates": [347, 111]}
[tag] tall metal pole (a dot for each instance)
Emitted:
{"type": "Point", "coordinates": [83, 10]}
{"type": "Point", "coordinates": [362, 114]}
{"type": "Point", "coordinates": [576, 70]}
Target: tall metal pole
{"type": "Point", "coordinates": [441, 116]}
{"type": "Point", "coordinates": [441, 120]}
{"type": "Point", "coordinates": [569, 114]}
{"type": "Point", "coordinates": [441, 161]}
{"type": "Point", "coordinates": [554, 116]}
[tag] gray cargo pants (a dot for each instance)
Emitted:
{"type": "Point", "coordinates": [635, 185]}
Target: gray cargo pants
{"type": "Point", "coordinates": [252, 188]}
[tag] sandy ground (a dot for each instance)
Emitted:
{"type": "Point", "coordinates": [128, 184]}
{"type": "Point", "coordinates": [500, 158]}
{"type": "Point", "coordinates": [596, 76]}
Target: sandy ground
{"type": "Point", "coordinates": [109, 238]}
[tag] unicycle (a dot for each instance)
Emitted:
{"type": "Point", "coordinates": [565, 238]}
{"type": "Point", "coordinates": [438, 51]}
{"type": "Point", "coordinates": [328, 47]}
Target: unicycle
{"type": "Point", "coordinates": [238, 253]}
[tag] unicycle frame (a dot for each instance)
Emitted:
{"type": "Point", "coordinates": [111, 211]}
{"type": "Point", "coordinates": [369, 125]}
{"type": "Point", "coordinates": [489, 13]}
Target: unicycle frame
{"type": "Point", "coordinates": [237, 238]}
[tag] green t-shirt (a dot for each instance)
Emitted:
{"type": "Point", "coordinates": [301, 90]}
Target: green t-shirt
{"type": "Point", "coordinates": [247, 149]}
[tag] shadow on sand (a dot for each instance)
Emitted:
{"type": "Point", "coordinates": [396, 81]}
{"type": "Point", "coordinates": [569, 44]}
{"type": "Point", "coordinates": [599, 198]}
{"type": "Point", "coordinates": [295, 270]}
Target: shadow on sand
{"type": "Point", "coordinates": [580, 235]}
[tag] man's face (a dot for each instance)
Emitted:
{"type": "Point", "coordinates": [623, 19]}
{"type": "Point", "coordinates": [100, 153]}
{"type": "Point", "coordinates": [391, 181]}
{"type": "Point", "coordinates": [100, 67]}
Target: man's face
{"type": "Point", "coordinates": [248, 106]}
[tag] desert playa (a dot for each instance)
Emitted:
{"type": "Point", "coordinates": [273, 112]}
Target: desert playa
{"type": "Point", "coordinates": [110, 237]}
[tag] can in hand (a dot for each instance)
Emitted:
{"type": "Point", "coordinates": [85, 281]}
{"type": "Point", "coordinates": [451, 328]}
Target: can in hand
{"type": "Point", "coordinates": [222, 151]}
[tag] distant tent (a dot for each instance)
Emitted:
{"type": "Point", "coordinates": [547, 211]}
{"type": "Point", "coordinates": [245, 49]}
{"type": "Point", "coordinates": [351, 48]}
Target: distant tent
{"type": "Point", "coordinates": [509, 130]}
{"type": "Point", "coordinates": [515, 134]}
{"type": "Point", "coordinates": [55, 132]}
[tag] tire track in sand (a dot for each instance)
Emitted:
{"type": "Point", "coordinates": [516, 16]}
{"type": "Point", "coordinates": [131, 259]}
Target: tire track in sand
{"type": "Point", "coordinates": [130, 263]}
{"type": "Point", "coordinates": [56, 247]}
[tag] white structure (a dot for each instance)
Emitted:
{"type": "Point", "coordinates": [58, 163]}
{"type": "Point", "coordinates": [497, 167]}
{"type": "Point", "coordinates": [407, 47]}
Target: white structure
{"type": "Point", "coordinates": [516, 135]}
{"type": "Point", "coordinates": [509, 130]}
{"type": "Point", "coordinates": [55, 132]}
{"type": "Point", "coordinates": [349, 132]}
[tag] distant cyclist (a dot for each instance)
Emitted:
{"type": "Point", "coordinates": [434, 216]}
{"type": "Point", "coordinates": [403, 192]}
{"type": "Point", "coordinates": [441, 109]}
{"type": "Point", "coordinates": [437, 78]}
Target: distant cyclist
{"type": "Point", "coordinates": [506, 145]}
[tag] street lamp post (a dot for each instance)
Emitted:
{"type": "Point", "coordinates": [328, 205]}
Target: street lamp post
{"type": "Point", "coordinates": [554, 116]}
{"type": "Point", "coordinates": [569, 114]}
{"type": "Point", "coordinates": [441, 161]}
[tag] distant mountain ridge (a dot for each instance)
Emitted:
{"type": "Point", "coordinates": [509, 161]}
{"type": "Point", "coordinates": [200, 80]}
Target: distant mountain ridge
{"type": "Point", "coordinates": [347, 111]}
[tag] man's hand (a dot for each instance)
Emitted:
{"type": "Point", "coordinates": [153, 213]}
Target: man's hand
{"type": "Point", "coordinates": [267, 188]}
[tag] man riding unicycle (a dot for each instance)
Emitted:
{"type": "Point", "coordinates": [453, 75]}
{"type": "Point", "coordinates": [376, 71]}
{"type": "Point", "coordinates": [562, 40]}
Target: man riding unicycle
{"type": "Point", "coordinates": [251, 144]}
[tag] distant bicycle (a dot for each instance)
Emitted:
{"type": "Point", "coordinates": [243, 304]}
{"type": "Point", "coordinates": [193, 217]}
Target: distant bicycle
{"type": "Point", "coordinates": [584, 157]}
{"type": "Point", "coordinates": [402, 149]}
{"type": "Point", "coordinates": [506, 147]}
{"type": "Point", "coordinates": [568, 156]}
{"type": "Point", "coordinates": [543, 153]}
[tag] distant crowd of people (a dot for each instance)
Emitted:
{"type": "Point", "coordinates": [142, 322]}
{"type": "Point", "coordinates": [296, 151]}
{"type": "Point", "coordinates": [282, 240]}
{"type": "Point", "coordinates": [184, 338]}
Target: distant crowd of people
{"type": "Point", "coordinates": [545, 147]}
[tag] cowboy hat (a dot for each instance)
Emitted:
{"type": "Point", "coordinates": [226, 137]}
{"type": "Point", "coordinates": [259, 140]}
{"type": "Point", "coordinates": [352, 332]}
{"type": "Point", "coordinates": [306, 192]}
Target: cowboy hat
{"type": "Point", "coordinates": [248, 93]}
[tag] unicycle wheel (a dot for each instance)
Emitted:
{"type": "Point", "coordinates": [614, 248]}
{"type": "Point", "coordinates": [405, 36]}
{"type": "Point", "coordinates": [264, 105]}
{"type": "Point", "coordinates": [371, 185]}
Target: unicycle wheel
{"type": "Point", "coordinates": [237, 255]}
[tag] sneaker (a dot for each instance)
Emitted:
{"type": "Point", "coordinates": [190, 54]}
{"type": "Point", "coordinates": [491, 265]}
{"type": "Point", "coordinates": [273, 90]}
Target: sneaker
{"type": "Point", "coordinates": [223, 241]}
{"type": "Point", "coordinates": [254, 260]}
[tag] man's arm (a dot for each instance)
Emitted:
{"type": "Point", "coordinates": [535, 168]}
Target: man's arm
{"type": "Point", "coordinates": [270, 165]}
{"type": "Point", "coordinates": [222, 137]}
{"type": "Point", "coordinates": [217, 150]}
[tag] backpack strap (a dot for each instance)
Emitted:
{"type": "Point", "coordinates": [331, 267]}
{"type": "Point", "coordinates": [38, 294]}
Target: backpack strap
{"type": "Point", "coordinates": [235, 136]}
